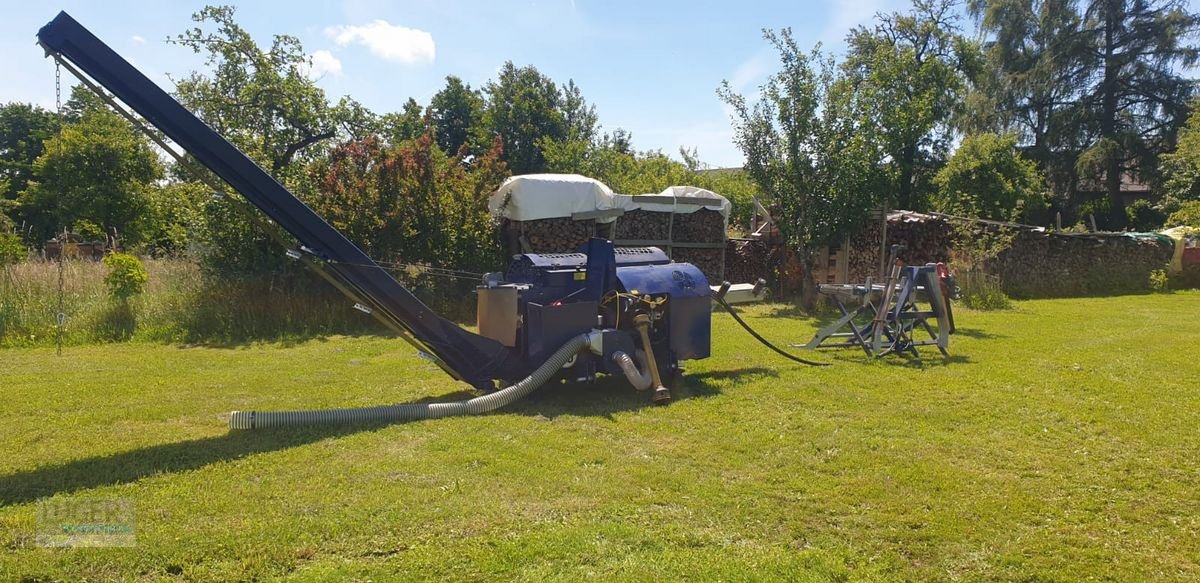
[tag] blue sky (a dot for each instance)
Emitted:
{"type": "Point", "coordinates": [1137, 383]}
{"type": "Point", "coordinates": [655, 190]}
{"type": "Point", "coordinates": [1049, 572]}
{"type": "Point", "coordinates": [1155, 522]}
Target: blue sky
{"type": "Point", "coordinates": [649, 67]}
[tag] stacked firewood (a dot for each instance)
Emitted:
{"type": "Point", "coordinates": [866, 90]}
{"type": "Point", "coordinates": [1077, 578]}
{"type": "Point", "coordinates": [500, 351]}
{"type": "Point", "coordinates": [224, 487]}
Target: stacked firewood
{"type": "Point", "coordinates": [928, 241]}
{"type": "Point", "coordinates": [561, 235]}
{"type": "Point", "coordinates": [710, 262]}
{"type": "Point", "coordinates": [702, 226]}
{"type": "Point", "coordinates": [1065, 265]}
{"type": "Point", "coordinates": [747, 260]}
{"type": "Point", "coordinates": [640, 225]}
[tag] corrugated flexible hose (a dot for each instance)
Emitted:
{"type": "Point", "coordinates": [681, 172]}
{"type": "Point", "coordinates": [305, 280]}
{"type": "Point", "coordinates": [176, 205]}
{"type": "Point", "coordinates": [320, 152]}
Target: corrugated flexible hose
{"type": "Point", "coordinates": [414, 411]}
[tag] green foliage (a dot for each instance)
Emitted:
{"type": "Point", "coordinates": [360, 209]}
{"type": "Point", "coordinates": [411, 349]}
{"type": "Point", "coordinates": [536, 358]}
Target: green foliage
{"type": "Point", "coordinates": [807, 153]}
{"type": "Point", "coordinates": [987, 178]}
{"type": "Point", "coordinates": [1094, 88]}
{"type": "Point", "coordinates": [260, 99]}
{"type": "Point", "coordinates": [982, 291]}
{"type": "Point", "coordinates": [411, 202]}
{"type": "Point", "coordinates": [1181, 168]}
{"type": "Point", "coordinates": [126, 276]}
{"type": "Point", "coordinates": [12, 251]}
{"type": "Point", "coordinates": [457, 116]}
{"type": "Point", "coordinates": [24, 129]}
{"type": "Point", "coordinates": [177, 211]}
{"type": "Point", "coordinates": [1159, 281]}
{"type": "Point", "coordinates": [527, 109]}
{"type": "Point", "coordinates": [911, 72]}
{"type": "Point", "coordinates": [1144, 216]}
{"type": "Point", "coordinates": [98, 170]}
{"type": "Point", "coordinates": [1188, 215]}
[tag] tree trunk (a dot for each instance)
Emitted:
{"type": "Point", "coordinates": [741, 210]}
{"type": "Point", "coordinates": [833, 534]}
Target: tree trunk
{"type": "Point", "coordinates": [808, 283]}
{"type": "Point", "coordinates": [1108, 113]}
{"type": "Point", "coordinates": [904, 194]}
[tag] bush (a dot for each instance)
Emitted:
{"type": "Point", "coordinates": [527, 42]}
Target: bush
{"type": "Point", "coordinates": [1159, 283]}
{"type": "Point", "coordinates": [126, 277]}
{"type": "Point", "coordinates": [1188, 215]}
{"type": "Point", "coordinates": [11, 249]}
{"type": "Point", "coordinates": [1144, 216]}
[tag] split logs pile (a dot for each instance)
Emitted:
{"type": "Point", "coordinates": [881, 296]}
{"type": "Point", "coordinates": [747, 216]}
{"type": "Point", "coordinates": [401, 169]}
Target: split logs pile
{"type": "Point", "coordinates": [747, 260]}
{"type": "Point", "coordinates": [640, 225]}
{"type": "Point", "coordinates": [1039, 264]}
{"type": "Point", "coordinates": [561, 235]}
{"type": "Point", "coordinates": [702, 226]}
{"type": "Point", "coordinates": [709, 261]}
{"type": "Point", "coordinates": [922, 241]}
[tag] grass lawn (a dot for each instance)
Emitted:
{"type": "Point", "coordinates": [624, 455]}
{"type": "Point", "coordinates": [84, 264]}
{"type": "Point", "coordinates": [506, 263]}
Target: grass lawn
{"type": "Point", "coordinates": [1061, 442]}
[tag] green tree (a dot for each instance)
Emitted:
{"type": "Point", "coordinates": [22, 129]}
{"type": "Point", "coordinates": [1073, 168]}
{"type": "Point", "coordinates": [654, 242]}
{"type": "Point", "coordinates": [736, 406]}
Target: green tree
{"type": "Point", "coordinates": [99, 170]}
{"type": "Point", "coordinates": [807, 151]}
{"type": "Point", "coordinates": [261, 101]}
{"type": "Point", "coordinates": [1136, 97]}
{"type": "Point", "coordinates": [1181, 168]}
{"type": "Point", "coordinates": [987, 178]}
{"type": "Point", "coordinates": [407, 124]}
{"type": "Point", "coordinates": [914, 70]}
{"type": "Point", "coordinates": [525, 109]}
{"type": "Point", "coordinates": [24, 129]}
{"type": "Point", "coordinates": [1034, 67]}
{"type": "Point", "coordinates": [411, 202]}
{"type": "Point", "coordinates": [457, 114]}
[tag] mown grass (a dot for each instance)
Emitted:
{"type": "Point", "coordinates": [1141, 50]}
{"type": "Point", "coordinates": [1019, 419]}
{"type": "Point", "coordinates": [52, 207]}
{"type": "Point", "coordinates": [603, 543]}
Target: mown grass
{"type": "Point", "coordinates": [1059, 443]}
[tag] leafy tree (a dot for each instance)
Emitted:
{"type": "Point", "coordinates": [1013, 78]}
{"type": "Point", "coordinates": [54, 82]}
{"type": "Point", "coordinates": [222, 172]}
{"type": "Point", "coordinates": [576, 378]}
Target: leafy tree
{"type": "Point", "coordinates": [807, 151]}
{"type": "Point", "coordinates": [405, 125]}
{"type": "Point", "coordinates": [987, 178]}
{"type": "Point", "coordinates": [257, 98]}
{"type": "Point", "coordinates": [1188, 215]}
{"type": "Point", "coordinates": [1136, 97]}
{"type": "Point", "coordinates": [1181, 168]}
{"type": "Point", "coordinates": [1034, 66]}
{"type": "Point", "coordinates": [525, 109]}
{"type": "Point", "coordinates": [411, 202]}
{"type": "Point", "coordinates": [98, 170]}
{"type": "Point", "coordinates": [457, 114]}
{"type": "Point", "coordinates": [914, 70]}
{"type": "Point", "coordinates": [24, 129]}
{"type": "Point", "coordinates": [260, 100]}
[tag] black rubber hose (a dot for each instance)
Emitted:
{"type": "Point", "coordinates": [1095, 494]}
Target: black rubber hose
{"type": "Point", "coordinates": [732, 312]}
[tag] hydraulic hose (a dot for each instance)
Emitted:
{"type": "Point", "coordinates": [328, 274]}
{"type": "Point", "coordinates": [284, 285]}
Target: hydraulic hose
{"type": "Point", "coordinates": [736, 317]}
{"type": "Point", "coordinates": [414, 411]}
{"type": "Point", "coordinates": [640, 380]}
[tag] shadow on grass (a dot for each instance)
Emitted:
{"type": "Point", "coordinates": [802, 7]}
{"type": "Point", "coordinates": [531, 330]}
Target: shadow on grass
{"type": "Point", "coordinates": [130, 466]}
{"type": "Point", "coordinates": [977, 334]}
{"type": "Point", "coordinates": [603, 398]}
{"type": "Point", "coordinates": [610, 395]}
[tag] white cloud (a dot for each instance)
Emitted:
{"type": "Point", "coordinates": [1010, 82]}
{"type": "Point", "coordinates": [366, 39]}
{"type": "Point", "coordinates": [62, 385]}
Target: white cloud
{"type": "Point", "coordinates": [387, 41]}
{"type": "Point", "coordinates": [138, 40]}
{"type": "Point", "coordinates": [750, 70]}
{"type": "Point", "coordinates": [322, 63]}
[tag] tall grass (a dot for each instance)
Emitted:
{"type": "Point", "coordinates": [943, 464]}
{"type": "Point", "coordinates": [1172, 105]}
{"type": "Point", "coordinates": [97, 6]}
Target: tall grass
{"type": "Point", "coordinates": [180, 304]}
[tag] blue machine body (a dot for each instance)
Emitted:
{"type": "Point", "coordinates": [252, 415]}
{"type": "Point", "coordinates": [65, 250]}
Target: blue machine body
{"type": "Point", "coordinates": [564, 294]}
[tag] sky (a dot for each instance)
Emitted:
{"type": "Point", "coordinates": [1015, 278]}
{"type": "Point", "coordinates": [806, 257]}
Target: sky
{"type": "Point", "coordinates": [651, 68]}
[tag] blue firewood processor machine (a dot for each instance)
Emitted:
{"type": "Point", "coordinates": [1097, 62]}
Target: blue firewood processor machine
{"type": "Point", "coordinates": [626, 311]}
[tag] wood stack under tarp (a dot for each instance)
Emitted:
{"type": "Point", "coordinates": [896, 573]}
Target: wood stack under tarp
{"type": "Point", "coordinates": [557, 213]}
{"type": "Point", "coordinates": [688, 223]}
{"type": "Point", "coordinates": [551, 213]}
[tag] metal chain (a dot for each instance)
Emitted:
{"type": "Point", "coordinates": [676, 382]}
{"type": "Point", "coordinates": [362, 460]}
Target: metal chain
{"type": "Point", "coordinates": [61, 317]}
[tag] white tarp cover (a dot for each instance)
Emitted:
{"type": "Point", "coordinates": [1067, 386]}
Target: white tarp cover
{"type": "Point", "coordinates": [683, 200]}
{"type": "Point", "coordinates": [678, 200]}
{"type": "Point", "coordinates": [531, 197]}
